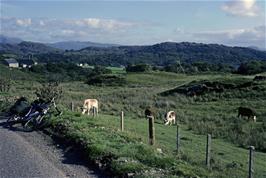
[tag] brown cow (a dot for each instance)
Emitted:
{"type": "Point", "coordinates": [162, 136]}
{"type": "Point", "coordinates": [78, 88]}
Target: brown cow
{"type": "Point", "coordinates": [242, 111]}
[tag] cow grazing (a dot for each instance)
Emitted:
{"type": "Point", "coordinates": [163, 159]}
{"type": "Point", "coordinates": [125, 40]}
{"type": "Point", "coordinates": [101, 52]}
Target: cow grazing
{"type": "Point", "coordinates": [170, 118]}
{"type": "Point", "coordinates": [90, 104]}
{"type": "Point", "coordinates": [242, 111]}
{"type": "Point", "coordinates": [149, 113]}
{"type": "Point", "coordinates": [259, 78]}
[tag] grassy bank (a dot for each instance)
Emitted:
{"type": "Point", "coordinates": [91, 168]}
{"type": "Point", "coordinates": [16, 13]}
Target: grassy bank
{"type": "Point", "coordinates": [127, 152]}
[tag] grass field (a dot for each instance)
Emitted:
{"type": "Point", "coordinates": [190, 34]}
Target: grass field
{"type": "Point", "coordinates": [227, 159]}
{"type": "Point", "coordinates": [213, 113]}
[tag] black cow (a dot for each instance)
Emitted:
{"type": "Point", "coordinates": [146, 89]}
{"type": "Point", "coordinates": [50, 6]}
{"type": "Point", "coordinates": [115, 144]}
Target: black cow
{"type": "Point", "coordinates": [242, 111]}
{"type": "Point", "coordinates": [259, 78]}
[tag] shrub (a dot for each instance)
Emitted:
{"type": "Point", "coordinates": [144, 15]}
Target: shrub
{"type": "Point", "coordinates": [138, 68]}
{"type": "Point", "coordinates": [5, 84]}
{"type": "Point", "coordinates": [48, 91]}
{"type": "Point", "coordinates": [107, 80]}
{"type": "Point", "coordinates": [253, 67]}
{"type": "Point", "coordinates": [99, 70]}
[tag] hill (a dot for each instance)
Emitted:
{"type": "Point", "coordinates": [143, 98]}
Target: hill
{"type": "Point", "coordinates": [164, 53]}
{"type": "Point", "coordinates": [9, 40]}
{"type": "Point", "coordinates": [159, 54]}
{"type": "Point", "coordinates": [167, 53]}
{"type": "Point", "coordinates": [26, 47]}
{"type": "Point", "coordinates": [77, 45]}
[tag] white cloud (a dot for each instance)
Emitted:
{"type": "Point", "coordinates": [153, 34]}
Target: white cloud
{"type": "Point", "coordinates": [246, 8]}
{"type": "Point", "coordinates": [104, 24]}
{"type": "Point", "coordinates": [243, 37]}
{"type": "Point", "coordinates": [42, 23]}
{"type": "Point", "coordinates": [68, 32]}
{"type": "Point", "coordinates": [23, 22]}
{"type": "Point", "coordinates": [44, 29]}
{"type": "Point", "coordinates": [179, 30]}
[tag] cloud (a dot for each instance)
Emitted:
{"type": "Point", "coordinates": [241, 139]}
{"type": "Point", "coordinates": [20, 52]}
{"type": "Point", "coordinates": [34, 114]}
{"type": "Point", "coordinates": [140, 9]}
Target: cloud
{"type": "Point", "coordinates": [44, 29]}
{"type": "Point", "coordinates": [247, 8]}
{"type": "Point", "coordinates": [241, 37]}
{"type": "Point", "coordinates": [23, 22]}
{"type": "Point", "coordinates": [104, 24]}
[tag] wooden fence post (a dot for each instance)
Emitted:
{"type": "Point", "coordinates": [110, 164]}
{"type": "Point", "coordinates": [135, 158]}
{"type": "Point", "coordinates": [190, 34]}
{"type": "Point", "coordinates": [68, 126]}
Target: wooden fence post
{"type": "Point", "coordinates": [122, 121]}
{"type": "Point", "coordinates": [72, 106]}
{"type": "Point", "coordinates": [177, 138]}
{"type": "Point", "coordinates": [151, 130]}
{"type": "Point", "coordinates": [208, 150]}
{"type": "Point", "coordinates": [250, 166]}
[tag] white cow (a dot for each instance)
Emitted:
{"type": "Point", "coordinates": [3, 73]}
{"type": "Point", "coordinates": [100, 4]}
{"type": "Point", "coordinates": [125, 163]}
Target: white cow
{"type": "Point", "coordinates": [170, 118]}
{"type": "Point", "coordinates": [90, 104]}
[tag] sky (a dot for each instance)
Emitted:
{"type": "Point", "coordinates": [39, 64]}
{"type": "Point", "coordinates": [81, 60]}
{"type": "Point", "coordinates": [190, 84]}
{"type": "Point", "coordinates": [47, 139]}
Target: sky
{"type": "Point", "coordinates": [128, 22]}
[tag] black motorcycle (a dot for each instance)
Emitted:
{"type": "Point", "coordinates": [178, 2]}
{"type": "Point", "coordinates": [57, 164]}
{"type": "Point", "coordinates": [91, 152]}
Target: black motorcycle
{"type": "Point", "coordinates": [33, 117]}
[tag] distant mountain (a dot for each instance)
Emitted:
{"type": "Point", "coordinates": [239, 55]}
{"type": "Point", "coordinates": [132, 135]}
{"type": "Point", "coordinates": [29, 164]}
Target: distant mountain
{"type": "Point", "coordinates": [166, 53]}
{"type": "Point", "coordinates": [159, 54]}
{"type": "Point", "coordinates": [26, 47]}
{"type": "Point", "coordinates": [9, 40]}
{"type": "Point", "coordinates": [257, 48]}
{"type": "Point", "coordinates": [77, 45]}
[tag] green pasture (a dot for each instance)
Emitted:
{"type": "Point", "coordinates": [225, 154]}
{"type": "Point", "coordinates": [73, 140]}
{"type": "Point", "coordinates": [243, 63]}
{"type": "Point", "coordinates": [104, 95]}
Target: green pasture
{"type": "Point", "coordinates": [214, 113]}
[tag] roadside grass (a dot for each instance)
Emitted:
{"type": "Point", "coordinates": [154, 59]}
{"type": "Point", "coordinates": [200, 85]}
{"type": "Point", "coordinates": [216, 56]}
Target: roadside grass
{"type": "Point", "coordinates": [121, 153]}
{"type": "Point", "coordinates": [102, 138]}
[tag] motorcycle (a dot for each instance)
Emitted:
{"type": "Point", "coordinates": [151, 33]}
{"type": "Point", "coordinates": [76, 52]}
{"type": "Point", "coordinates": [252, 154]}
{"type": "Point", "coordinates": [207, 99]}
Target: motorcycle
{"type": "Point", "coordinates": [34, 116]}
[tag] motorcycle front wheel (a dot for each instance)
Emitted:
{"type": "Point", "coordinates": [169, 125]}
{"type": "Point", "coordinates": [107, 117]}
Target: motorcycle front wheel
{"type": "Point", "coordinates": [30, 125]}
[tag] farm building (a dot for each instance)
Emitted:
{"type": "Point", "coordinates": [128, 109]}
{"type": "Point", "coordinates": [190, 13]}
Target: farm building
{"type": "Point", "coordinates": [26, 63]}
{"type": "Point", "coordinates": [11, 62]}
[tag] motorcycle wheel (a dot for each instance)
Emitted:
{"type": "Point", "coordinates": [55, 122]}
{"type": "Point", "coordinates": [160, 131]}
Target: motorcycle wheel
{"type": "Point", "coordinates": [30, 125]}
{"type": "Point", "coordinates": [14, 119]}
{"type": "Point", "coordinates": [42, 121]}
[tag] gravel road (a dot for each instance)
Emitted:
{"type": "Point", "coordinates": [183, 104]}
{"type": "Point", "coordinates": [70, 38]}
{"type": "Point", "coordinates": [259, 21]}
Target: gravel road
{"type": "Point", "coordinates": [35, 154]}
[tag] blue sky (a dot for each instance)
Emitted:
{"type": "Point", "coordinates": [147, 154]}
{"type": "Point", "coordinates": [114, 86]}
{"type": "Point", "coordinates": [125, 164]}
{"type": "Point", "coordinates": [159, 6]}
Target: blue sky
{"type": "Point", "coordinates": [236, 23]}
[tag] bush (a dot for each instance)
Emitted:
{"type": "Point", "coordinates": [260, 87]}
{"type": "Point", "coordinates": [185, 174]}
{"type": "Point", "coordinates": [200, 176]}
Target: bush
{"type": "Point", "coordinates": [197, 67]}
{"type": "Point", "coordinates": [107, 80]}
{"type": "Point", "coordinates": [5, 84]}
{"type": "Point", "coordinates": [138, 68]}
{"type": "Point", "coordinates": [63, 71]}
{"type": "Point", "coordinates": [99, 70]}
{"type": "Point", "coordinates": [253, 67]}
{"type": "Point", "coordinates": [48, 91]}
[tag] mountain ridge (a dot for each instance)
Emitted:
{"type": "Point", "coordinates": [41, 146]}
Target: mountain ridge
{"type": "Point", "coordinates": [77, 45]}
{"type": "Point", "coordinates": [160, 54]}
{"type": "Point", "coordinates": [9, 40]}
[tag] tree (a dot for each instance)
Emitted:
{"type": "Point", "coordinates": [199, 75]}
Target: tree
{"type": "Point", "coordinates": [252, 67]}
